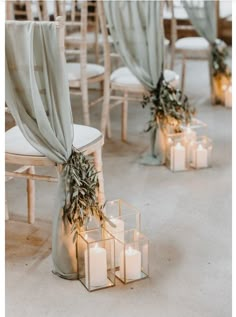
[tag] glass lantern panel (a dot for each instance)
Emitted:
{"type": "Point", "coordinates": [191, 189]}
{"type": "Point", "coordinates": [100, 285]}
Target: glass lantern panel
{"type": "Point", "coordinates": [123, 215]}
{"type": "Point", "coordinates": [96, 253]}
{"type": "Point", "coordinates": [133, 257]}
{"type": "Point", "coordinates": [202, 153]}
{"type": "Point", "coordinates": [176, 152]}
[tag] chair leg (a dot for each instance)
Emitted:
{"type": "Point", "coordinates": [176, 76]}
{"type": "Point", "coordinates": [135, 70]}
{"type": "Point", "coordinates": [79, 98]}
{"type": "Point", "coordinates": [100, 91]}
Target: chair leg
{"type": "Point", "coordinates": [183, 74]}
{"type": "Point", "coordinates": [105, 105]}
{"type": "Point", "coordinates": [108, 128]}
{"type": "Point", "coordinates": [31, 196]}
{"type": "Point", "coordinates": [124, 117]}
{"type": "Point", "coordinates": [98, 165]}
{"type": "Point", "coordinates": [85, 101]}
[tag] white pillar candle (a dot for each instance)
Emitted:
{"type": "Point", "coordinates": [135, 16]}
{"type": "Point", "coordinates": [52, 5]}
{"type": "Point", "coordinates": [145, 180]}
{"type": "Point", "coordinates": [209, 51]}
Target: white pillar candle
{"type": "Point", "coordinates": [178, 153]}
{"type": "Point", "coordinates": [96, 266]}
{"type": "Point", "coordinates": [200, 157]}
{"type": "Point", "coordinates": [118, 232]}
{"type": "Point", "coordinates": [130, 264]}
{"type": "Point", "coordinates": [228, 97]}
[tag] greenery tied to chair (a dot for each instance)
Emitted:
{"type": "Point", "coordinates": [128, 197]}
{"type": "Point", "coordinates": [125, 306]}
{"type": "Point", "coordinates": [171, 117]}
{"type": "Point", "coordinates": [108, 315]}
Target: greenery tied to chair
{"type": "Point", "coordinates": [81, 187]}
{"type": "Point", "coordinates": [169, 109]}
{"type": "Point", "coordinates": [220, 71]}
{"type": "Point", "coordinates": [219, 52]}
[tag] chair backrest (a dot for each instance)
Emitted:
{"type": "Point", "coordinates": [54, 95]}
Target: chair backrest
{"type": "Point", "coordinates": [109, 48]}
{"type": "Point", "coordinates": [79, 16]}
{"type": "Point", "coordinates": [180, 26]}
{"type": "Point", "coordinates": [104, 30]}
{"type": "Point", "coordinates": [73, 13]}
{"type": "Point", "coordinates": [23, 10]}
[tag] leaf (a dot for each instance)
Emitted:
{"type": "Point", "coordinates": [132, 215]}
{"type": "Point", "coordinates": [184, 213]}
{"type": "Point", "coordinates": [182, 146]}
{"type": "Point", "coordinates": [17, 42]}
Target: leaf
{"type": "Point", "coordinates": [81, 184]}
{"type": "Point", "coordinates": [168, 104]}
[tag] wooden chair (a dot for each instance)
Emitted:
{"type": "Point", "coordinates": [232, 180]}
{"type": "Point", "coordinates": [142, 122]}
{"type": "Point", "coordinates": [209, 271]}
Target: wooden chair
{"type": "Point", "coordinates": [23, 10]}
{"type": "Point", "coordinates": [19, 151]}
{"type": "Point", "coordinates": [31, 10]}
{"type": "Point", "coordinates": [189, 47]}
{"type": "Point", "coordinates": [124, 86]}
{"type": "Point", "coordinates": [224, 19]}
{"type": "Point", "coordinates": [49, 10]}
{"type": "Point", "coordinates": [94, 38]}
{"type": "Point", "coordinates": [82, 75]}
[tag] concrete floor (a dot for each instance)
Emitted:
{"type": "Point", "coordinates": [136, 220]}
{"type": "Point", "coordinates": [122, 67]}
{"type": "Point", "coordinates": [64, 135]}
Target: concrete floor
{"type": "Point", "coordinates": [187, 217]}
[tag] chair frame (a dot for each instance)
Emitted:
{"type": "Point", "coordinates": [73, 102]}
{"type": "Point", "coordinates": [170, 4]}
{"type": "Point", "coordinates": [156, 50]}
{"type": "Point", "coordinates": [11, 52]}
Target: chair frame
{"type": "Point", "coordinates": [186, 54]}
{"type": "Point", "coordinates": [91, 25]}
{"type": "Point", "coordinates": [11, 13]}
{"type": "Point", "coordinates": [80, 87]}
{"type": "Point", "coordinates": [30, 162]}
{"type": "Point", "coordinates": [128, 92]}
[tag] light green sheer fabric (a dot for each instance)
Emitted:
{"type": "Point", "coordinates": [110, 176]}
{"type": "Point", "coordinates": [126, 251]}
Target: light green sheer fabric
{"type": "Point", "coordinates": [202, 15]}
{"type": "Point", "coordinates": [137, 31]}
{"type": "Point", "coordinates": [37, 95]}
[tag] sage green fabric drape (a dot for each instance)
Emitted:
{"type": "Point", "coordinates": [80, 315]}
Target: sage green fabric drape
{"type": "Point", "coordinates": [37, 95]}
{"type": "Point", "coordinates": [137, 31]}
{"type": "Point", "coordinates": [202, 15]}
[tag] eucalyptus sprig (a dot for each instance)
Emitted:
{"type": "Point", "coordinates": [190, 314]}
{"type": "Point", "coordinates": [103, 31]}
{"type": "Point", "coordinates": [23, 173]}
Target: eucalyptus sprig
{"type": "Point", "coordinates": [81, 185]}
{"type": "Point", "coordinates": [219, 52]}
{"type": "Point", "coordinates": [169, 106]}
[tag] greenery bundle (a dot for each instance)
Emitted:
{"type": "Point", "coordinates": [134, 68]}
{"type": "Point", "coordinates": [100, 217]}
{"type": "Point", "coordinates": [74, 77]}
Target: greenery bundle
{"type": "Point", "coordinates": [219, 52]}
{"type": "Point", "coordinates": [81, 186]}
{"type": "Point", "coordinates": [169, 107]}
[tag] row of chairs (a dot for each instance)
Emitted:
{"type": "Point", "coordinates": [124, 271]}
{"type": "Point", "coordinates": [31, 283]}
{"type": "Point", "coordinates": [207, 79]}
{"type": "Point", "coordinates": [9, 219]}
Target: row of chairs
{"type": "Point", "coordinates": [84, 74]}
{"type": "Point", "coordinates": [75, 37]}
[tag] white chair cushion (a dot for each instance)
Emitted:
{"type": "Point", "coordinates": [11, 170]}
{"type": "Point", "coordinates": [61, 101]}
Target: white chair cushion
{"type": "Point", "coordinates": [90, 38]}
{"type": "Point", "coordinates": [123, 76]}
{"type": "Point", "coordinates": [74, 72]}
{"type": "Point", "coordinates": [16, 143]}
{"type": "Point", "coordinates": [192, 44]}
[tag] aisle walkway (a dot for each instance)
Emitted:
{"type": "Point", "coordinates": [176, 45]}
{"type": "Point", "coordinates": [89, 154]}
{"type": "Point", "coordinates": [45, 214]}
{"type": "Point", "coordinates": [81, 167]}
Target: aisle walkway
{"type": "Point", "coordinates": [187, 217]}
